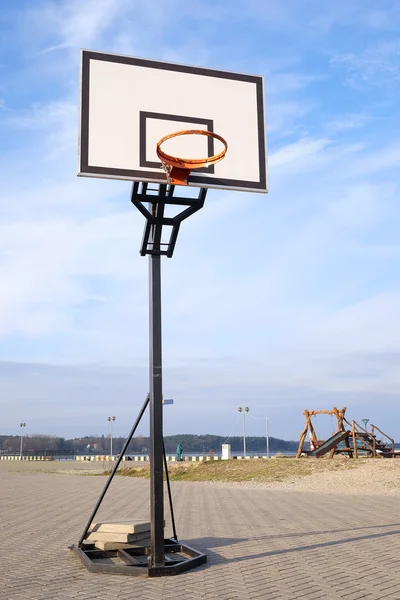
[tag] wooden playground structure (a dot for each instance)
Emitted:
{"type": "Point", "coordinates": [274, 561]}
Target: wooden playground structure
{"type": "Point", "coordinates": [349, 438]}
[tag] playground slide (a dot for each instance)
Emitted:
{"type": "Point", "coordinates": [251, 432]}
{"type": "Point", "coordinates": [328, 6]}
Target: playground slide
{"type": "Point", "coordinates": [330, 443]}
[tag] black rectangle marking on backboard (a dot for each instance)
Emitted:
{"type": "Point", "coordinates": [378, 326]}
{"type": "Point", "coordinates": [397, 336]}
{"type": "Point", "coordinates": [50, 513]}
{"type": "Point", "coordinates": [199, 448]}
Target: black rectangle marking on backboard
{"type": "Point", "coordinates": [179, 119]}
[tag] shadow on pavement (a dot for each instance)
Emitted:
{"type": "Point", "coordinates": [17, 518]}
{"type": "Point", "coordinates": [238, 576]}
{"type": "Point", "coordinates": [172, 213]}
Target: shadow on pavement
{"type": "Point", "coordinates": [207, 544]}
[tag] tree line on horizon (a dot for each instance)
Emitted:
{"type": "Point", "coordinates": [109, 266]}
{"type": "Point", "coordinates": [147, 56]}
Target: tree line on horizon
{"type": "Point", "coordinates": [92, 444]}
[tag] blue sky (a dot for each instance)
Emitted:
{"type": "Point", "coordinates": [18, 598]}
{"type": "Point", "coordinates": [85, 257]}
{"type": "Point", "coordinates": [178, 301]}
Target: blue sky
{"type": "Point", "coordinates": [281, 302]}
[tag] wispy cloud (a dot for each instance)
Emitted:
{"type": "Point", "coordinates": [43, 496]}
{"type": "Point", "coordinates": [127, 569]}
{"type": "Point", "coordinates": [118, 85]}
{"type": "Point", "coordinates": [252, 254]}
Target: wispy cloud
{"type": "Point", "coordinates": [383, 18]}
{"type": "Point", "coordinates": [44, 116]}
{"type": "Point", "coordinates": [346, 122]}
{"type": "Point", "coordinates": [48, 396]}
{"type": "Point", "coordinates": [374, 66]}
{"type": "Point", "coordinates": [62, 46]}
{"type": "Point", "coordinates": [300, 154]}
{"type": "Point", "coordinates": [72, 21]}
{"type": "Point", "coordinates": [41, 290]}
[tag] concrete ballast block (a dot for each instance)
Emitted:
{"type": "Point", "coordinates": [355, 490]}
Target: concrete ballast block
{"type": "Point", "coordinates": [125, 538]}
{"type": "Point", "coordinates": [143, 541]}
{"type": "Point", "coordinates": [121, 527]}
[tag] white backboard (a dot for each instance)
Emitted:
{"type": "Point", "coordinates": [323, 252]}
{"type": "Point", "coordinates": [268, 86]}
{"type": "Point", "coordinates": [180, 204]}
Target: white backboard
{"type": "Point", "coordinates": [128, 104]}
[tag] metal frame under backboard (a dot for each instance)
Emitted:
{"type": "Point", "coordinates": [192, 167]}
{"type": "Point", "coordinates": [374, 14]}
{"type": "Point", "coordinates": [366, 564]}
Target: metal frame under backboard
{"type": "Point", "coordinates": [135, 561]}
{"type": "Point", "coordinates": [158, 175]}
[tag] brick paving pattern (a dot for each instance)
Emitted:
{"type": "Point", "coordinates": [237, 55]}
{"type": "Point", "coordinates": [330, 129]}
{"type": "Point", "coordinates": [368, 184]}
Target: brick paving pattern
{"type": "Point", "coordinates": [260, 543]}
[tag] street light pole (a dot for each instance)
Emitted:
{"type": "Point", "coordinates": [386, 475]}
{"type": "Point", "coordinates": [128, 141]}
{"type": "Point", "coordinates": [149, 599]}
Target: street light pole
{"type": "Point", "coordinates": [22, 425]}
{"type": "Point", "coordinates": [111, 420]}
{"type": "Point", "coordinates": [244, 411]}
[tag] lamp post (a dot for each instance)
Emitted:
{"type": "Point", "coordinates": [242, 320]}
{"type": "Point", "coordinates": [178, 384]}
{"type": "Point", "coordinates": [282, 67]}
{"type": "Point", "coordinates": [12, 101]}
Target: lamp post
{"type": "Point", "coordinates": [267, 434]}
{"type": "Point", "coordinates": [244, 411]}
{"type": "Point", "coordinates": [111, 420]}
{"type": "Point", "coordinates": [22, 425]}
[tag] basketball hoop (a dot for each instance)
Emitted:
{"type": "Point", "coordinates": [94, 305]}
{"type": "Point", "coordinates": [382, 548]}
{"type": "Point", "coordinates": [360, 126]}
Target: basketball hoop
{"type": "Point", "coordinates": [179, 169]}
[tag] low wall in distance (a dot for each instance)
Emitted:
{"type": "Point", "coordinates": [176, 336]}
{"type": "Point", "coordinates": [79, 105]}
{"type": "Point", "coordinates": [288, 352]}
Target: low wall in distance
{"type": "Point", "coordinates": [17, 457]}
{"type": "Point", "coordinates": [170, 458]}
{"type": "Point", "coordinates": [136, 458]}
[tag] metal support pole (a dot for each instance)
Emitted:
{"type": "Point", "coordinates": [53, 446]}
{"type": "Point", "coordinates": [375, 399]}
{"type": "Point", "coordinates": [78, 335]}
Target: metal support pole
{"type": "Point", "coordinates": [22, 425]}
{"type": "Point", "coordinates": [111, 420]}
{"type": "Point", "coordinates": [156, 416]}
{"type": "Point", "coordinates": [244, 434]}
{"type": "Point", "coordinates": [171, 506]}
{"type": "Point", "coordinates": [267, 434]}
{"type": "Point", "coordinates": [244, 411]}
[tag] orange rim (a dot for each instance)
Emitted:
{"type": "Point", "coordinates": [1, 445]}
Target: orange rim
{"type": "Point", "coordinates": [190, 163]}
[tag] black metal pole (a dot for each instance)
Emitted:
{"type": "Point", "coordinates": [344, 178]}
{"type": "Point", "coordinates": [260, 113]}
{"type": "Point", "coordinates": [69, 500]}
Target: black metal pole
{"type": "Point", "coordinates": [109, 480]}
{"type": "Point", "coordinates": [156, 416]}
{"type": "Point", "coordinates": [171, 506]}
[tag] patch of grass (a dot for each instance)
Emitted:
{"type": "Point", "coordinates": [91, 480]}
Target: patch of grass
{"type": "Point", "coordinates": [257, 470]}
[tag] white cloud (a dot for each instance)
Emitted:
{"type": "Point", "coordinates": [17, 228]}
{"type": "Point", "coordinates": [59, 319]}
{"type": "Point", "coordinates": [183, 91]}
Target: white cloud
{"type": "Point", "coordinates": [361, 206]}
{"type": "Point", "coordinates": [206, 394]}
{"type": "Point", "coordinates": [307, 155]}
{"type": "Point", "coordinates": [370, 325]}
{"type": "Point", "coordinates": [45, 266]}
{"type": "Point", "coordinates": [298, 154]}
{"type": "Point", "coordinates": [380, 160]}
{"type": "Point", "coordinates": [348, 122]}
{"type": "Point", "coordinates": [45, 115]}
{"type": "Point", "coordinates": [288, 82]}
{"type": "Point", "coordinates": [376, 66]}
{"type": "Point", "coordinates": [287, 118]}
{"type": "Point", "coordinates": [382, 19]}
{"type": "Point", "coordinates": [73, 21]}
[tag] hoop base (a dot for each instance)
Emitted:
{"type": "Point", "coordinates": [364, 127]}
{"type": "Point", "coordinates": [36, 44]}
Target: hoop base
{"type": "Point", "coordinates": [176, 175]}
{"type": "Point", "coordinates": [136, 560]}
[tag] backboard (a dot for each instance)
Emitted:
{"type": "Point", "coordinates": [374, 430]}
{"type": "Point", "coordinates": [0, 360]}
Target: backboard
{"type": "Point", "coordinates": [128, 104]}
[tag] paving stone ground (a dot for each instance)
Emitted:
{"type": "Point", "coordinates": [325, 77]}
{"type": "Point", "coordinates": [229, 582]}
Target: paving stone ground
{"type": "Point", "coordinates": [260, 543]}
